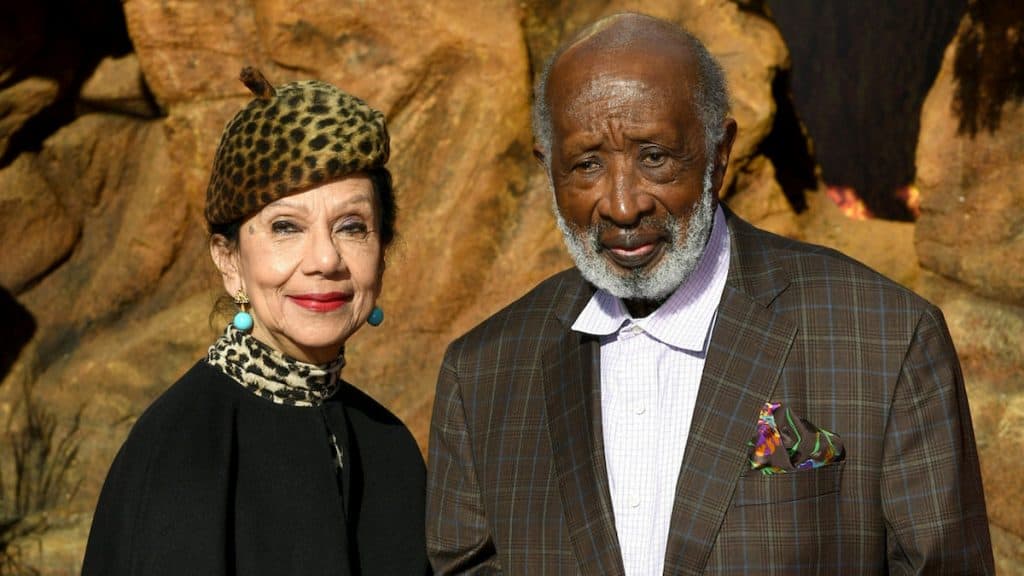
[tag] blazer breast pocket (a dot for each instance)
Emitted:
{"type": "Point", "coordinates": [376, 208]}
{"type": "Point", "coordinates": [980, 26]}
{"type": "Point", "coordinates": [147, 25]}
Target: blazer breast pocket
{"type": "Point", "coordinates": [756, 488]}
{"type": "Point", "coordinates": [788, 519]}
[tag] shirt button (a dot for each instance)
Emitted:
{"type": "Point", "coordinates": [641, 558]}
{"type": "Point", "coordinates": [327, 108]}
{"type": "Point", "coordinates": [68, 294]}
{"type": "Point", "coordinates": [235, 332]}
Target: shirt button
{"type": "Point", "coordinates": [639, 409]}
{"type": "Point", "coordinates": [634, 500]}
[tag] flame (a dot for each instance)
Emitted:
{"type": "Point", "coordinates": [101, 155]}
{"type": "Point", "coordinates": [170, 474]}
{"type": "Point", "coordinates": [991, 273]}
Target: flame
{"type": "Point", "coordinates": [853, 207]}
{"type": "Point", "coordinates": [849, 203]}
{"type": "Point", "coordinates": [911, 197]}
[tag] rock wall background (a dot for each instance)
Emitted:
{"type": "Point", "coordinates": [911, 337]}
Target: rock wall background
{"type": "Point", "coordinates": [107, 287]}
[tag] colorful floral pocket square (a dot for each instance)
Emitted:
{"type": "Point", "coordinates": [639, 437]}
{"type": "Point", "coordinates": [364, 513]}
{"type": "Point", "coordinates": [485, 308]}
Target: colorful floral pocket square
{"type": "Point", "coordinates": [786, 442]}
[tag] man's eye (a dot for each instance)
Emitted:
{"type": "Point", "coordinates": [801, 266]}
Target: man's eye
{"type": "Point", "coordinates": [283, 227]}
{"type": "Point", "coordinates": [588, 165]}
{"type": "Point", "coordinates": [653, 157]}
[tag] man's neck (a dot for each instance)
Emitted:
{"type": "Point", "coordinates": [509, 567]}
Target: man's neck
{"type": "Point", "coordinates": [642, 308]}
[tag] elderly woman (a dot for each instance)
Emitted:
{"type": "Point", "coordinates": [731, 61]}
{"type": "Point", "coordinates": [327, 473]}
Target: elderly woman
{"type": "Point", "coordinates": [261, 459]}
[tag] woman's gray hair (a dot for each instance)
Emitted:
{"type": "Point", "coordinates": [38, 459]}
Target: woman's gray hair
{"type": "Point", "coordinates": [711, 92]}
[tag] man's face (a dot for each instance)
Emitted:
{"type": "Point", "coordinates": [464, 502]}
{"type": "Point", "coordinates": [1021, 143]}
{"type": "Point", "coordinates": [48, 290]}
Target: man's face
{"type": "Point", "coordinates": [634, 187]}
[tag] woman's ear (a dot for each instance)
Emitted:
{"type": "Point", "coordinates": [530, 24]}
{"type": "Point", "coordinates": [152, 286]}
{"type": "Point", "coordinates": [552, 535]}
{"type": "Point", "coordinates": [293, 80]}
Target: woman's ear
{"type": "Point", "coordinates": [380, 274]}
{"type": "Point", "coordinates": [225, 258]}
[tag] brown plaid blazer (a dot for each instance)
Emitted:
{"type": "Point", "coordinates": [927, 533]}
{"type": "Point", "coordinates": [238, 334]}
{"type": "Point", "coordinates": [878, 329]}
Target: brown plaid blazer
{"type": "Point", "coordinates": [517, 480]}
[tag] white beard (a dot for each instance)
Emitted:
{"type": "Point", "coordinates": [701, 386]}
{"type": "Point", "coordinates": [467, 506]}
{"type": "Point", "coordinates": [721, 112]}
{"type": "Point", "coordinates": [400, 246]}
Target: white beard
{"type": "Point", "coordinates": [676, 265]}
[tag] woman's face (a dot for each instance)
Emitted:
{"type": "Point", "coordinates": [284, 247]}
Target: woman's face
{"type": "Point", "coordinates": [311, 264]}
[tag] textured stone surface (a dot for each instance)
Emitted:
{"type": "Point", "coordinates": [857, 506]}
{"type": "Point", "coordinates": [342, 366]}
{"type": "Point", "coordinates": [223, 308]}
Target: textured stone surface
{"type": "Point", "coordinates": [117, 85]}
{"type": "Point", "coordinates": [20, 102]}
{"type": "Point", "coordinates": [759, 199]}
{"type": "Point", "coordinates": [36, 230]}
{"type": "Point", "coordinates": [113, 172]}
{"type": "Point", "coordinates": [1009, 551]}
{"type": "Point", "coordinates": [189, 50]}
{"type": "Point", "coordinates": [884, 245]}
{"type": "Point", "coordinates": [987, 334]}
{"type": "Point", "coordinates": [972, 222]}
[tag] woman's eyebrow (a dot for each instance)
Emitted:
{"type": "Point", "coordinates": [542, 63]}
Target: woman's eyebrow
{"type": "Point", "coordinates": [360, 199]}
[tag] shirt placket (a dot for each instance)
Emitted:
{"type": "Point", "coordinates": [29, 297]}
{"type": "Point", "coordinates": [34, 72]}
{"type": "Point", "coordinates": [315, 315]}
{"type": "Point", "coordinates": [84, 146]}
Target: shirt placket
{"type": "Point", "coordinates": [641, 461]}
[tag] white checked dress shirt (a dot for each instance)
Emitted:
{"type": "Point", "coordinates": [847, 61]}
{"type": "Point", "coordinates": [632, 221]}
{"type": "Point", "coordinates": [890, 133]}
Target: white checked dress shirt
{"type": "Point", "coordinates": [650, 373]}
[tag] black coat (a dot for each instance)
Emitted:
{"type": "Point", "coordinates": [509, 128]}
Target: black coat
{"type": "Point", "coordinates": [215, 480]}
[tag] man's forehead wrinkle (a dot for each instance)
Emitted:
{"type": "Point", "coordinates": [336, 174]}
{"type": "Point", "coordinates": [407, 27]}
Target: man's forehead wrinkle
{"type": "Point", "coordinates": [614, 93]}
{"type": "Point", "coordinates": [601, 69]}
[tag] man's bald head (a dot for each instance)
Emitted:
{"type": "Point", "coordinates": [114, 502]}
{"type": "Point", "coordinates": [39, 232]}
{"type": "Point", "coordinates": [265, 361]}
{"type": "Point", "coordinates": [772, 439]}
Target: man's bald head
{"type": "Point", "coordinates": [629, 33]}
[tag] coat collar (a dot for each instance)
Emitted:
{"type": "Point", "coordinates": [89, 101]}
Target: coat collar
{"type": "Point", "coordinates": [754, 270]}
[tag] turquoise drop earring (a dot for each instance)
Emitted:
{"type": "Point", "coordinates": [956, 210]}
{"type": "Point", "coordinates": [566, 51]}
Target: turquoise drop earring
{"type": "Point", "coordinates": [243, 320]}
{"type": "Point", "coordinates": [376, 316]}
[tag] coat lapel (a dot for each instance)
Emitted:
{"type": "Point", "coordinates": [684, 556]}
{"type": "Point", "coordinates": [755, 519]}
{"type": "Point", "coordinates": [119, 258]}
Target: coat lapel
{"type": "Point", "coordinates": [571, 375]}
{"type": "Point", "coordinates": [748, 348]}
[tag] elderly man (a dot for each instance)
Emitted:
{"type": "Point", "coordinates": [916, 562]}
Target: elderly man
{"type": "Point", "coordinates": [696, 396]}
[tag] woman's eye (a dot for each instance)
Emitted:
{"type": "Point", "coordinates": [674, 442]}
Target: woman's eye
{"type": "Point", "coordinates": [283, 227]}
{"type": "Point", "coordinates": [353, 229]}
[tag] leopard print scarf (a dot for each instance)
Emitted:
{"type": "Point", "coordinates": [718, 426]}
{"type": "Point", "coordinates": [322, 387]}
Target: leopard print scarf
{"type": "Point", "coordinates": [272, 375]}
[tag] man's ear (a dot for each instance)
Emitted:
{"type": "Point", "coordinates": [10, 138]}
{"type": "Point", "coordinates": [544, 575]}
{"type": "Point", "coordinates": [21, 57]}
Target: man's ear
{"type": "Point", "coordinates": [722, 152]}
{"type": "Point", "coordinates": [544, 161]}
{"type": "Point", "coordinates": [225, 258]}
{"type": "Point", "coordinates": [538, 154]}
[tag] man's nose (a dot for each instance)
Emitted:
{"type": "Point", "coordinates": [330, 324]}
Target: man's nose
{"type": "Point", "coordinates": [625, 202]}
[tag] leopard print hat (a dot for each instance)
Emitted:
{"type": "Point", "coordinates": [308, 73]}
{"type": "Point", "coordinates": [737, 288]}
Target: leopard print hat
{"type": "Point", "coordinates": [290, 139]}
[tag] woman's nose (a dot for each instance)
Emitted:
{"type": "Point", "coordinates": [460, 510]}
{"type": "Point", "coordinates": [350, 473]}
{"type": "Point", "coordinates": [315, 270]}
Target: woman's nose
{"type": "Point", "coordinates": [323, 255]}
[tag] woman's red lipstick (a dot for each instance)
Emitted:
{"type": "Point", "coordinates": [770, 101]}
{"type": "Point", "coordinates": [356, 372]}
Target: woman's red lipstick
{"type": "Point", "coordinates": [323, 302]}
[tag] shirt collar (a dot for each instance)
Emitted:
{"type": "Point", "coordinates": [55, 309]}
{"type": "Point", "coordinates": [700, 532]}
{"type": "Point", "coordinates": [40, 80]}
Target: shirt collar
{"type": "Point", "coordinates": [684, 320]}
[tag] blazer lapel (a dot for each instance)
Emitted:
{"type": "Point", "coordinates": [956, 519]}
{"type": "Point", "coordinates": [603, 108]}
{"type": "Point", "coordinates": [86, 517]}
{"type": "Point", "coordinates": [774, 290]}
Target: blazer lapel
{"type": "Point", "coordinates": [746, 354]}
{"type": "Point", "coordinates": [571, 375]}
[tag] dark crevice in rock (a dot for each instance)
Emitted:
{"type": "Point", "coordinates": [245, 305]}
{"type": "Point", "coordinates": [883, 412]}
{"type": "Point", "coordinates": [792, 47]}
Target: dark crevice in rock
{"type": "Point", "coordinates": [788, 148]}
{"type": "Point", "coordinates": [16, 330]}
{"type": "Point", "coordinates": [756, 7]}
{"type": "Point", "coordinates": [71, 38]}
